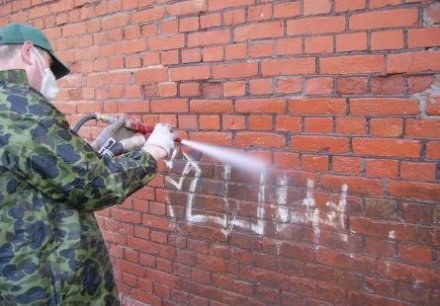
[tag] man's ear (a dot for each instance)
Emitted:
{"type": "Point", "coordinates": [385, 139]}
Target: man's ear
{"type": "Point", "coordinates": [26, 52]}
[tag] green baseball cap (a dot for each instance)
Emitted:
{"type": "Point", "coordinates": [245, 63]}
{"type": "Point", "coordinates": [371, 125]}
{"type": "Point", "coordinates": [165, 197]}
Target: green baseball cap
{"type": "Point", "coordinates": [18, 33]}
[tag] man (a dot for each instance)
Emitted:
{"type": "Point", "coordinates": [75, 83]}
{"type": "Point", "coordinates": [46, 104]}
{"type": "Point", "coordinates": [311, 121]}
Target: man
{"type": "Point", "coordinates": [51, 182]}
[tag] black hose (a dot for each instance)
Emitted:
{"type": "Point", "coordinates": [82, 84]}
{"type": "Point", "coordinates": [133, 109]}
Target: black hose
{"type": "Point", "coordinates": [83, 120]}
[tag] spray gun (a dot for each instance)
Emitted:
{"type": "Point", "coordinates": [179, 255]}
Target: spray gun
{"type": "Point", "coordinates": [111, 147]}
{"type": "Point", "coordinates": [131, 124]}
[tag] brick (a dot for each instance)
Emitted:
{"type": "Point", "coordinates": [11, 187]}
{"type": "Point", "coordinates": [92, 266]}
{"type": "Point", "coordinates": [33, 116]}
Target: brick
{"type": "Point", "coordinates": [286, 160]}
{"type": "Point", "coordinates": [150, 59]}
{"type": "Point", "coordinates": [426, 37]}
{"type": "Point", "coordinates": [433, 150]}
{"type": "Point", "coordinates": [355, 298]}
{"type": "Point", "coordinates": [260, 87]}
{"type": "Point", "coordinates": [414, 190]}
{"type": "Point", "coordinates": [74, 29]}
{"type": "Point", "coordinates": [148, 15]}
{"type": "Point", "coordinates": [213, 54]}
{"type": "Point", "coordinates": [287, 46]}
{"type": "Point", "coordinates": [234, 17]}
{"type": "Point", "coordinates": [169, 26]}
{"type": "Point", "coordinates": [216, 5]}
{"type": "Point", "coordinates": [232, 71]}
{"type": "Point", "coordinates": [382, 229]}
{"type": "Point", "coordinates": [318, 125]}
{"type": "Point", "coordinates": [389, 127]}
{"type": "Point", "coordinates": [191, 55]}
{"type": "Point", "coordinates": [319, 86]}
{"type": "Point", "coordinates": [168, 42]}
{"type": "Point", "coordinates": [316, 25]}
{"type": "Point", "coordinates": [357, 185]}
{"type": "Point", "coordinates": [422, 128]}
{"type": "Point", "coordinates": [237, 88]}
{"type": "Point", "coordinates": [187, 8]}
{"type": "Point", "coordinates": [344, 5]}
{"type": "Point", "coordinates": [260, 122]}
{"type": "Point", "coordinates": [417, 213]}
{"type": "Point", "coordinates": [288, 9]}
{"type": "Point", "coordinates": [433, 106]}
{"type": "Point", "coordinates": [260, 12]}
{"type": "Point", "coordinates": [413, 62]}
{"type": "Point", "coordinates": [236, 51]}
{"type": "Point", "coordinates": [384, 106]}
{"type": "Point", "coordinates": [346, 165]}
{"type": "Point", "coordinates": [211, 20]}
{"type": "Point", "coordinates": [189, 24]}
{"type": "Point", "coordinates": [288, 124]}
{"type": "Point", "coordinates": [406, 273]}
{"type": "Point", "coordinates": [187, 121]}
{"type": "Point", "coordinates": [293, 85]}
{"type": "Point", "coordinates": [211, 106]}
{"type": "Point", "coordinates": [382, 248]}
{"type": "Point", "coordinates": [352, 85]}
{"type": "Point", "coordinates": [209, 122]}
{"type": "Point", "coordinates": [268, 140]}
{"type": "Point", "coordinates": [151, 75]}
{"type": "Point", "coordinates": [351, 42]}
{"type": "Point", "coordinates": [353, 126]}
{"type": "Point", "coordinates": [352, 64]}
{"type": "Point", "coordinates": [212, 89]}
{"type": "Point", "coordinates": [387, 40]}
{"type": "Point", "coordinates": [259, 31]}
{"type": "Point", "coordinates": [190, 73]}
{"type": "Point", "coordinates": [418, 171]}
{"type": "Point", "coordinates": [257, 50]}
{"type": "Point", "coordinates": [386, 147]}
{"type": "Point", "coordinates": [233, 122]}
{"type": "Point", "coordinates": [189, 89]}
{"type": "Point", "coordinates": [385, 19]}
{"type": "Point", "coordinates": [217, 138]}
{"type": "Point", "coordinates": [314, 162]}
{"type": "Point", "coordinates": [432, 13]}
{"type": "Point", "coordinates": [315, 7]}
{"type": "Point", "coordinates": [295, 66]}
{"type": "Point", "coordinates": [419, 83]}
{"type": "Point", "coordinates": [329, 106]}
{"type": "Point", "coordinates": [387, 85]}
{"type": "Point", "coordinates": [319, 44]}
{"type": "Point", "coordinates": [209, 38]}
{"type": "Point", "coordinates": [260, 106]}
{"type": "Point", "coordinates": [383, 3]}
{"type": "Point", "coordinates": [169, 106]}
{"type": "Point", "coordinates": [381, 209]}
{"type": "Point", "coordinates": [320, 144]}
{"type": "Point", "coordinates": [114, 21]}
{"type": "Point", "coordinates": [114, 78]}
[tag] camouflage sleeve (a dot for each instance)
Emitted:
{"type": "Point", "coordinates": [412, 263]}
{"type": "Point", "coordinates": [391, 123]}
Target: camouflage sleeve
{"type": "Point", "coordinates": [65, 168]}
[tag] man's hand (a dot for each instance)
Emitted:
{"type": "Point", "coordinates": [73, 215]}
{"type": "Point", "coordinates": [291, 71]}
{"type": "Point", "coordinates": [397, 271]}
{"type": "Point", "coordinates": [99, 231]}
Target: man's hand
{"type": "Point", "coordinates": [161, 141]}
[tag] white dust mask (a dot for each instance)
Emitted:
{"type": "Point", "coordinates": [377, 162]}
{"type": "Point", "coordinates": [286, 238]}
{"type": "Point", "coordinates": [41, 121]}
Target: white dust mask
{"type": "Point", "coordinates": [49, 86]}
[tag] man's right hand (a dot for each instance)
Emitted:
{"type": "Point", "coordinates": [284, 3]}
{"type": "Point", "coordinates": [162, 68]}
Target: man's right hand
{"type": "Point", "coordinates": [161, 141]}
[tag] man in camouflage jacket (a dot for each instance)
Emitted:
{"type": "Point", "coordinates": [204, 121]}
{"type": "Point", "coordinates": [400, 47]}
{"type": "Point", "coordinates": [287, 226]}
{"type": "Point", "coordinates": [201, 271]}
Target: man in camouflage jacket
{"type": "Point", "coordinates": [51, 182]}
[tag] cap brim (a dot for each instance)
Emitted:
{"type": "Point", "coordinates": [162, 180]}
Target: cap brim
{"type": "Point", "coordinates": [58, 68]}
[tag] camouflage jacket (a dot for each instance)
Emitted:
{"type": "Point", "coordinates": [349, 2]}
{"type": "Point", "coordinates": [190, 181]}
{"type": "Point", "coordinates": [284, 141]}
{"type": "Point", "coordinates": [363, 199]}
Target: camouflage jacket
{"type": "Point", "coordinates": [51, 182]}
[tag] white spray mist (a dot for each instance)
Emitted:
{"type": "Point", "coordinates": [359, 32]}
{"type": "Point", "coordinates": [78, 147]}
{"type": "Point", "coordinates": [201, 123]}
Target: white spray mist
{"type": "Point", "coordinates": [227, 156]}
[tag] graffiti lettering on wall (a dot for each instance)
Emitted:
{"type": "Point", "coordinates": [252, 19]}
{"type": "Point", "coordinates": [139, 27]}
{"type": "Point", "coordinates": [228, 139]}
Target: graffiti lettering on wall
{"type": "Point", "coordinates": [281, 212]}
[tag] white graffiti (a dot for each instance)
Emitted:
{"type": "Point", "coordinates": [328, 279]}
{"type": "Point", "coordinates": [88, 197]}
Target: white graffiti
{"type": "Point", "coordinates": [282, 213]}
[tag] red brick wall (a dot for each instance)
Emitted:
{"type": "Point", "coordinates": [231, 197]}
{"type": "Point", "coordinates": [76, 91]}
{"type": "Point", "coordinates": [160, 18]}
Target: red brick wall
{"type": "Point", "coordinates": [342, 96]}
